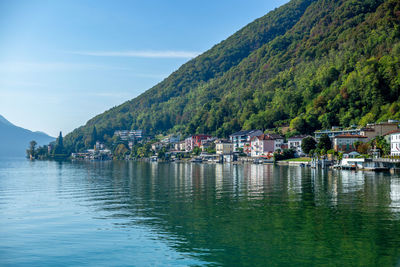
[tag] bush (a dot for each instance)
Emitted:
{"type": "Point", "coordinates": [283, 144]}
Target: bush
{"type": "Point", "coordinates": [285, 154]}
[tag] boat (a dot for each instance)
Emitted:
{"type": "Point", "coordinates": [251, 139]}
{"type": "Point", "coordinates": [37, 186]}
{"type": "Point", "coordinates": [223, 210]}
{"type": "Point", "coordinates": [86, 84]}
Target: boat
{"type": "Point", "coordinates": [348, 167]}
{"type": "Point", "coordinates": [258, 161]}
{"type": "Point", "coordinates": [197, 160]}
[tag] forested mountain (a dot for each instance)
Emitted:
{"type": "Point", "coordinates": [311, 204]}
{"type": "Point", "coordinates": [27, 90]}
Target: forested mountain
{"type": "Point", "coordinates": [310, 63]}
{"type": "Point", "coordinates": [15, 140]}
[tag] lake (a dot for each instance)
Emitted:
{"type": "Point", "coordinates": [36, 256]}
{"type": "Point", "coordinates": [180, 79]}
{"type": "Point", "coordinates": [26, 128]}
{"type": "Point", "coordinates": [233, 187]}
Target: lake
{"type": "Point", "coordinates": [188, 214]}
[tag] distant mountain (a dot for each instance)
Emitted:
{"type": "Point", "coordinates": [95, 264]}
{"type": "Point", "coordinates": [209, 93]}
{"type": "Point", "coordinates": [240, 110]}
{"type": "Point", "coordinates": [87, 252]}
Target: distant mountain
{"type": "Point", "coordinates": [310, 64]}
{"type": "Point", "coordinates": [15, 140]}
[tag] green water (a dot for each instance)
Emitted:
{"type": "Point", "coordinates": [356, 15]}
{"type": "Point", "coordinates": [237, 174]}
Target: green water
{"type": "Point", "coordinates": [183, 214]}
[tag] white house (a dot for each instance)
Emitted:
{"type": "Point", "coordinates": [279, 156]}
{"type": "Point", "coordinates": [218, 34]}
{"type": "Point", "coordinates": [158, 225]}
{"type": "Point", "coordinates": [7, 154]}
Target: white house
{"type": "Point", "coordinates": [265, 144]}
{"type": "Point", "coordinates": [224, 148]}
{"type": "Point", "coordinates": [395, 144]}
{"type": "Point", "coordinates": [241, 139]}
{"type": "Point", "coordinates": [157, 146]}
{"type": "Point", "coordinates": [180, 146]}
{"type": "Point", "coordinates": [294, 142]}
{"type": "Point", "coordinates": [279, 141]}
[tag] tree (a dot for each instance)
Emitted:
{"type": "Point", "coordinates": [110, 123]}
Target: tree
{"type": "Point", "coordinates": [211, 150]}
{"type": "Point", "coordinates": [285, 154]}
{"type": "Point", "coordinates": [362, 147]}
{"type": "Point", "coordinates": [382, 145]}
{"type": "Point", "coordinates": [32, 149]}
{"type": "Point", "coordinates": [308, 144]}
{"type": "Point", "coordinates": [324, 142]}
{"type": "Point", "coordinates": [59, 151]}
{"type": "Point", "coordinates": [60, 140]}
{"type": "Point", "coordinates": [298, 124]}
{"type": "Point", "coordinates": [94, 136]}
{"type": "Point", "coordinates": [121, 151]}
{"type": "Point", "coordinates": [196, 150]}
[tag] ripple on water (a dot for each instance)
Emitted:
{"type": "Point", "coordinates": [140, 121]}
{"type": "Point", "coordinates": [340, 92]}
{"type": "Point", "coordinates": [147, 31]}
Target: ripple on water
{"type": "Point", "coordinates": [132, 213]}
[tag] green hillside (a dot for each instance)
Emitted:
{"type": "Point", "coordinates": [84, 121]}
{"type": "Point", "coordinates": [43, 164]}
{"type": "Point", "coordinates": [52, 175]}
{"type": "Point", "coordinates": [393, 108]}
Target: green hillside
{"type": "Point", "coordinates": [310, 64]}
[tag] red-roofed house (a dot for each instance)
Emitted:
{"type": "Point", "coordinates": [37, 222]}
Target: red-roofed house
{"type": "Point", "coordinates": [195, 141]}
{"type": "Point", "coordinates": [265, 144]}
{"type": "Point", "coordinates": [345, 142]}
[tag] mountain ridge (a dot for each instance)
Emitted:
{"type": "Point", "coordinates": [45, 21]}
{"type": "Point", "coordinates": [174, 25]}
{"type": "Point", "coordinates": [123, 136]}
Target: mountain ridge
{"type": "Point", "coordinates": [14, 140]}
{"type": "Point", "coordinates": [5, 121]}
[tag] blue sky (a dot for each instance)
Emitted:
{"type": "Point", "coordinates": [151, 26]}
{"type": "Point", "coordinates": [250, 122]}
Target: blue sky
{"type": "Point", "coordinates": [63, 62]}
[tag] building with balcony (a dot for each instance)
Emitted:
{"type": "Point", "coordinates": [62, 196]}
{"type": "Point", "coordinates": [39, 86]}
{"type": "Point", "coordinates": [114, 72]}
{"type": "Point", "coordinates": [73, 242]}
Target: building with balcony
{"type": "Point", "coordinates": [242, 138]}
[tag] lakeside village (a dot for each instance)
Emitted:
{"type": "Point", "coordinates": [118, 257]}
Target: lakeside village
{"type": "Point", "coordinates": [374, 147]}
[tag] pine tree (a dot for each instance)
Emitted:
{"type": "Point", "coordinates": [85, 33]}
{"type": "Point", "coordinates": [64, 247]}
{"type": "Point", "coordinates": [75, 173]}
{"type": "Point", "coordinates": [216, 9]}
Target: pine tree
{"type": "Point", "coordinates": [60, 140]}
{"type": "Point", "coordinates": [94, 136]}
{"type": "Point", "coordinates": [59, 149]}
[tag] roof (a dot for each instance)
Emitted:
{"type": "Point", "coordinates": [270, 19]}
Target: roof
{"type": "Point", "coordinates": [299, 137]}
{"type": "Point", "coordinates": [275, 136]}
{"type": "Point", "coordinates": [386, 123]}
{"type": "Point", "coordinates": [200, 135]}
{"type": "Point", "coordinates": [367, 129]}
{"type": "Point", "coordinates": [222, 141]}
{"type": "Point", "coordinates": [247, 132]}
{"type": "Point", "coordinates": [350, 136]}
{"type": "Point", "coordinates": [268, 137]}
{"type": "Point", "coordinates": [392, 132]}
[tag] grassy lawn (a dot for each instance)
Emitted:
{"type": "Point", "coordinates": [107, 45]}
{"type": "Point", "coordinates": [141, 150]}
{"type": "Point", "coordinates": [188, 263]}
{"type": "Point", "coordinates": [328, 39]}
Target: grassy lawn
{"type": "Point", "coordinates": [305, 159]}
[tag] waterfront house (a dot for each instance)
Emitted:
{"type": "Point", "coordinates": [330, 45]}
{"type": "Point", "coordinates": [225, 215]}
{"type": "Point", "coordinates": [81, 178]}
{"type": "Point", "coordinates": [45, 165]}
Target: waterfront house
{"type": "Point", "coordinates": [188, 144]}
{"type": "Point", "coordinates": [294, 143]}
{"type": "Point", "coordinates": [157, 146]}
{"type": "Point", "coordinates": [224, 148]}
{"type": "Point", "coordinates": [246, 149]}
{"type": "Point", "coordinates": [208, 143]}
{"type": "Point", "coordinates": [180, 146]}
{"type": "Point", "coordinates": [345, 142]}
{"type": "Point", "coordinates": [93, 154]}
{"type": "Point", "coordinates": [99, 146]}
{"type": "Point", "coordinates": [242, 138]}
{"type": "Point", "coordinates": [394, 143]}
{"type": "Point", "coordinates": [265, 144]}
{"type": "Point", "coordinates": [278, 141]}
{"type": "Point", "coordinates": [195, 141]}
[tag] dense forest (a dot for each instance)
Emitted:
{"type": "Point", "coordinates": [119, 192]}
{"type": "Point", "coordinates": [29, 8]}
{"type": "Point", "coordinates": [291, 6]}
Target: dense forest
{"type": "Point", "coordinates": [309, 64]}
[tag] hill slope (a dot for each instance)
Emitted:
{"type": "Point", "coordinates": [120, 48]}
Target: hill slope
{"type": "Point", "coordinates": [308, 63]}
{"type": "Point", "coordinates": [15, 140]}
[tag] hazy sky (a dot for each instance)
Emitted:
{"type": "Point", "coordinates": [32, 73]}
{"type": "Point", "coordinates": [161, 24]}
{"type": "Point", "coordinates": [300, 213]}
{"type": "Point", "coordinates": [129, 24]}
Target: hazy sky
{"type": "Point", "coordinates": [63, 62]}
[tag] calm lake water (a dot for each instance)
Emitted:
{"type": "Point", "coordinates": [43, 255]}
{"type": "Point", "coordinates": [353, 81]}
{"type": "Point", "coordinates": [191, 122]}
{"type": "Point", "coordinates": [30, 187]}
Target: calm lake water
{"type": "Point", "coordinates": [183, 214]}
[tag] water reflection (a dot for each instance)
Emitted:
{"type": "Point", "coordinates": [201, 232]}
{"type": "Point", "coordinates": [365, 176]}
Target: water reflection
{"type": "Point", "coordinates": [395, 194]}
{"type": "Point", "coordinates": [247, 214]}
